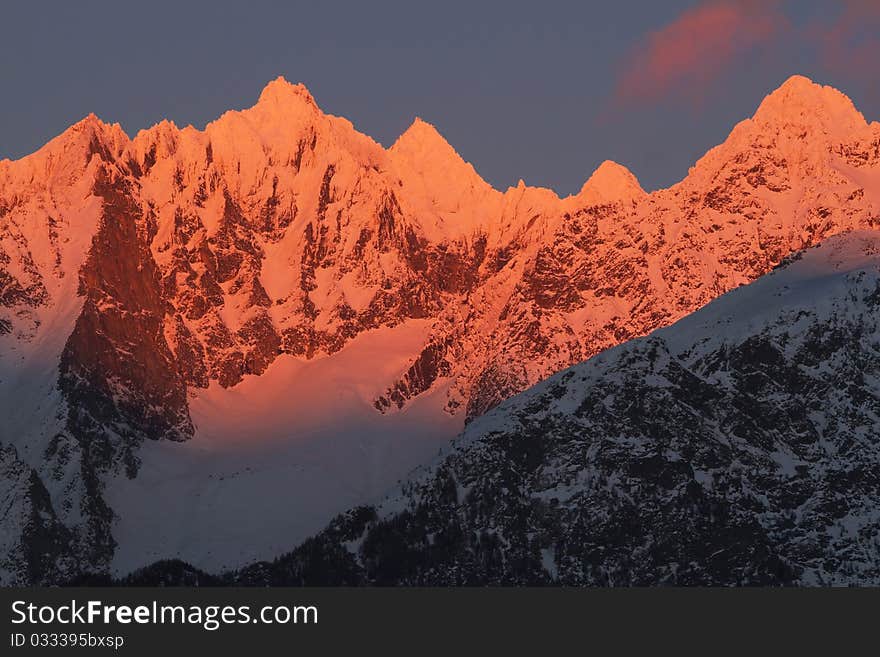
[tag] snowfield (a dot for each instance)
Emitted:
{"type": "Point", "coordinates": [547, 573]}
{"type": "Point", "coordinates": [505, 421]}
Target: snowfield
{"type": "Point", "coordinates": [275, 457]}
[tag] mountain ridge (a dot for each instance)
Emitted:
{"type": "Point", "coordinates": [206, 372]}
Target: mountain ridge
{"type": "Point", "coordinates": [280, 235]}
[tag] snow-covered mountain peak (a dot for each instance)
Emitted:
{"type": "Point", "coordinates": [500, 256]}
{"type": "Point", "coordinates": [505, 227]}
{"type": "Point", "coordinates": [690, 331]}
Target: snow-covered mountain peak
{"type": "Point", "coordinates": [67, 156]}
{"type": "Point", "coordinates": [803, 103]}
{"type": "Point", "coordinates": [110, 134]}
{"type": "Point", "coordinates": [157, 142]}
{"type": "Point", "coordinates": [280, 92]}
{"type": "Point", "coordinates": [282, 112]}
{"type": "Point", "coordinates": [794, 135]}
{"type": "Point", "coordinates": [90, 132]}
{"type": "Point", "coordinates": [421, 134]}
{"type": "Point", "coordinates": [610, 183]}
{"type": "Point", "coordinates": [438, 181]}
{"type": "Point", "coordinates": [423, 147]}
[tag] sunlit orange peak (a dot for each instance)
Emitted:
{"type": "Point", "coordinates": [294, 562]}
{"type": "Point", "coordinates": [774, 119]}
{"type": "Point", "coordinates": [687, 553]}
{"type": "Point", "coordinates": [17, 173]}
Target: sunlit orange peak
{"type": "Point", "coordinates": [611, 183]}
{"type": "Point", "coordinates": [280, 90]}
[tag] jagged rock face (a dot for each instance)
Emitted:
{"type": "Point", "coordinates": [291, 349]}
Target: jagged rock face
{"type": "Point", "coordinates": [141, 269]}
{"type": "Point", "coordinates": [116, 372]}
{"type": "Point", "coordinates": [293, 241]}
{"type": "Point", "coordinates": [738, 446]}
{"type": "Point", "coordinates": [50, 213]}
{"type": "Point", "coordinates": [35, 543]}
{"type": "Point", "coordinates": [282, 230]}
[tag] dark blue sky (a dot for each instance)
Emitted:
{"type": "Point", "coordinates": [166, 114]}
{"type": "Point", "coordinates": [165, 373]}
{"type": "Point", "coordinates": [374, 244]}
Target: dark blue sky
{"type": "Point", "coordinates": [542, 91]}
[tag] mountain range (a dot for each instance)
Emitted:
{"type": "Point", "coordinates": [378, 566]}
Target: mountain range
{"type": "Point", "coordinates": [213, 342]}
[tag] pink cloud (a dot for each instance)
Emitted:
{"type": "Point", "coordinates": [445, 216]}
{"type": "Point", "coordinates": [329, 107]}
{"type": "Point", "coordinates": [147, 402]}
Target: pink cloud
{"type": "Point", "coordinates": [683, 59]}
{"type": "Point", "coordinates": [685, 56]}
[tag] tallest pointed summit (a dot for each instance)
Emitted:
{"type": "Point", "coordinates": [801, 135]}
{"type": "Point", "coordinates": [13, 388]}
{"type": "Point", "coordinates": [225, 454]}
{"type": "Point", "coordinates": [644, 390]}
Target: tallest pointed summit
{"type": "Point", "coordinates": [280, 91]}
{"type": "Point", "coordinates": [803, 102]}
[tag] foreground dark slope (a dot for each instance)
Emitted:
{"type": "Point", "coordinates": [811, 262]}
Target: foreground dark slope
{"type": "Point", "coordinates": [738, 446]}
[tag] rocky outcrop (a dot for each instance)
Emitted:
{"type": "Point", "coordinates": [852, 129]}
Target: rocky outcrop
{"type": "Point", "coordinates": [117, 373]}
